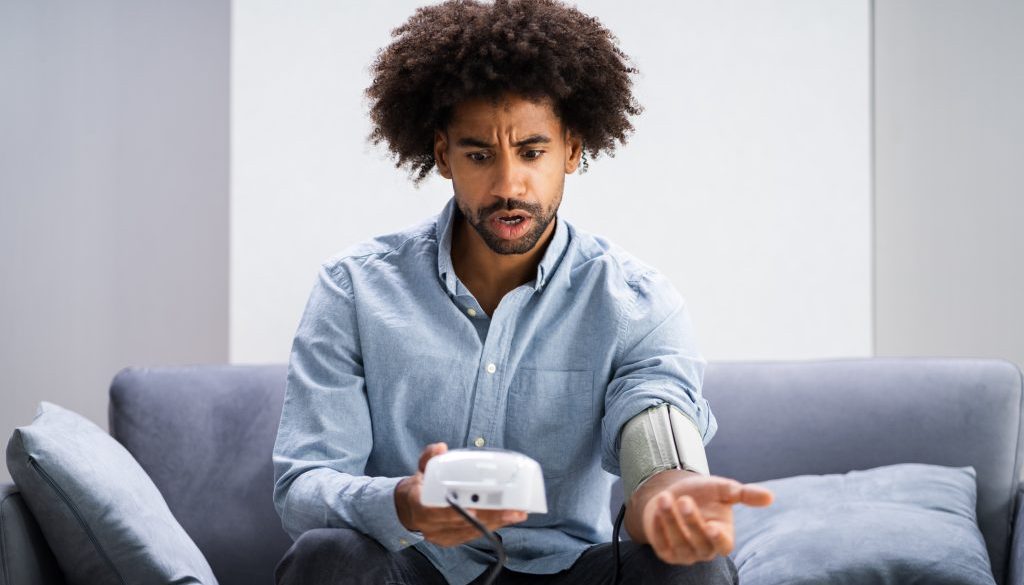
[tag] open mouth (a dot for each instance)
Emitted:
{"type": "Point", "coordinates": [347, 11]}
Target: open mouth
{"type": "Point", "coordinates": [509, 226]}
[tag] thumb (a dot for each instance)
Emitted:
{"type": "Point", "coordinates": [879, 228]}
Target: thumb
{"type": "Point", "coordinates": [755, 495]}
{"type": "Point", "coordinates": [432, 450]}
{"type": "Point", "coordinates": [734, 492]}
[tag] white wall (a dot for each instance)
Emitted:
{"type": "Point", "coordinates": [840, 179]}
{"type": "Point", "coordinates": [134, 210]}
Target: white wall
{"type": "Point", "coordinates": [113, 196]}
{"type": "Point", "coordinates": [304, 181]}
{"type": "Point", "coordinates": [950, 178]}
{"type": "Point", "coordinates": [747, 181]}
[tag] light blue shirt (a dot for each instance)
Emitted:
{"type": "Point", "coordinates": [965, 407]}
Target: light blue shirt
{"type": "Point", "coordinates": [393, 352]}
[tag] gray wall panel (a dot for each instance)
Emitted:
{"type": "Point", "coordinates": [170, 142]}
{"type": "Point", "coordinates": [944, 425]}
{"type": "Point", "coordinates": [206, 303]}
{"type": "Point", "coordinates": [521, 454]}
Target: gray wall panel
{"type": "Point", "coordinates": [113, 195]}
{"type": "Point", "coordinates": [949, 164]}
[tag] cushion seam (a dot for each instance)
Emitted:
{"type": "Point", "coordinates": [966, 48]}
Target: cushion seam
{"type": "Point", "coordinates": [82, 524]}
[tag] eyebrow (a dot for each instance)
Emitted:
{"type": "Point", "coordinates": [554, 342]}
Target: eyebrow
{"type": "Point", "coordinates": [477, 143]}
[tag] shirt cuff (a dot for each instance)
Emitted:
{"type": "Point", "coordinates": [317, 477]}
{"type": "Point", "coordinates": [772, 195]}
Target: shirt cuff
{"type": "Point", "coordinates": [380, 517]}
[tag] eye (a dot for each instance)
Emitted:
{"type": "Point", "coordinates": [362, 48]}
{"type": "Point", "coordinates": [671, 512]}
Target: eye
{"type": "Point", "coordinates": [533, 154]}
{"type": "Point", "coordinates": [477, 156]}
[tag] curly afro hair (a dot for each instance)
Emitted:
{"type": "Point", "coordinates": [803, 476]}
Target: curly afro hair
{"type": "Point", "coordinates": [463, 49]}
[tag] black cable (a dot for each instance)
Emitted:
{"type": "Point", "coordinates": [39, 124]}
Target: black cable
{"type": "Point", "coordinates": [615, 541]}
{"type": "Point", "coordinates": [495, 540]}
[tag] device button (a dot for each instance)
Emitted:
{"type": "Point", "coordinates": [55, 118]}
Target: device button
{"type": "Point", "coordinates": [471, 312]}
{"type": "Point", "coordinates": [479, 442]}
{"type": "Point", "coordinates": [491, 368]}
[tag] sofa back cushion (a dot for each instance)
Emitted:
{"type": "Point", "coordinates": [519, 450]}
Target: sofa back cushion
{"type": "Point", "coordinates": [204, 434]}
{"type": "Point", "coordinates": [780, 419]}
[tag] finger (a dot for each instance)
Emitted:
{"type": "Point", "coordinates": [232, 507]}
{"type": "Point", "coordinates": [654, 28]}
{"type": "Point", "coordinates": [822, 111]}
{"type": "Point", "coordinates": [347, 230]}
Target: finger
{"type": "Point", "coordinates": [730, 491]}
{"type": "Point", "coordinates": [459, 525]}
{"type": "Point", "coordinates": [432, 450]}
{"type": "Point", "coordinates": [498, 518]}
{"type": "Point", "coordinates": [491, 519]}
{"type": "Point", "coordinates": [458, 530]}
{"type": "Point", "coordinates": [448, 523]}
{"type": "Point", "coordinates": [659, 538]}
{"type": "Point", "coordinates": [721, 535]}
{"type": "Point", "coordinates": [514, 516]}
{"type": "Point", "coordinates": [448, 518]}
{"type": "Point", "coordinates": [727, 491]}
{"type": "Point", "coordinates": [755, 495]}
{"type": "Point", "coordinates": [652, 526]}
{"type": "Point", "coordinates": [673, 549]}
{"type": "Point", "coordinates": [451, 536]}
{"type": "Point", "coordinates": [696, 527]}
{"type": "Point", "coordinates": [507, 517]}
{"type": "Point", "coordinates": [445, 517]}
{"type": "Point", "coordinates": [487, 516]}
{"type": "Point", "coordinates": [674, 527]}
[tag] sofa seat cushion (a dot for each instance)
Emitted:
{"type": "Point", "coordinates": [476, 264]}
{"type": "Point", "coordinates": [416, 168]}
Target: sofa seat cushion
{"type": "Point", "coordinates": [103, 518]}
{"type": "Point", "coordinates": [905, 523]}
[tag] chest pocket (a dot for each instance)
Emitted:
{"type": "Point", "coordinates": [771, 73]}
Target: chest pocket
{"type": "Point", "coordinates": [550, 417]}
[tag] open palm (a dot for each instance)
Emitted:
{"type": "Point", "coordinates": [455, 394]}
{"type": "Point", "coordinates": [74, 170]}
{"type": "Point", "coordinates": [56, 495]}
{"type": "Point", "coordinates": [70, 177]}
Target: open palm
{"type": "Point", "coordinates": [691, 520]}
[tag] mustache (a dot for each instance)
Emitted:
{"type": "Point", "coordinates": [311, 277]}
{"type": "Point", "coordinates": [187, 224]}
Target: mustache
{"type": "Point", "coordinates": [533, 209]}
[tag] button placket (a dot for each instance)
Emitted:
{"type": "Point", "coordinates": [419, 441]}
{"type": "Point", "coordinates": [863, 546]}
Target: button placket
{"type": "Point", "coordinates": [490, 378]}
{"type": "Point", "coordinates": [509, 318]}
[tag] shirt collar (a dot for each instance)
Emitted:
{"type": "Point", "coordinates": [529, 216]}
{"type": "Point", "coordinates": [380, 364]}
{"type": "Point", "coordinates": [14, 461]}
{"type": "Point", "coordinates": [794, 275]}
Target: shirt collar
{"type": "Point", "coordinates": [446, 270]}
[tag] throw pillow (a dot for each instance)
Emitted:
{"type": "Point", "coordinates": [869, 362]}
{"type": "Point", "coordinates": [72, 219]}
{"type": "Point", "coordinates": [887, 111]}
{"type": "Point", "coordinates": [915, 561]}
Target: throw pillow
{"type": "Point", "coordinates": [101, 515]}
{"type": "Point", "coordinates": [905, 523]}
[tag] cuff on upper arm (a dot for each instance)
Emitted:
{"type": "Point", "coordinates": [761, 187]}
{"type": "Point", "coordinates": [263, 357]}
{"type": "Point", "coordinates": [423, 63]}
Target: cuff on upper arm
{"type": "Point", "coordinates": [640, 399]}
{"type": "Point", "coordinates": [657, 439]}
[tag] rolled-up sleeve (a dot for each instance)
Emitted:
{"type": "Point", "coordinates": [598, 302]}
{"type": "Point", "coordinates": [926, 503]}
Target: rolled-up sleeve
{"type": "Point", "coordinates": [656, 362]}
{"type": "Point", "coordinates": [324, 438]}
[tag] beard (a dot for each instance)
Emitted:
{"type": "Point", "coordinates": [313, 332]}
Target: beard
{"type": "Point", "coordinates": [541, 219]}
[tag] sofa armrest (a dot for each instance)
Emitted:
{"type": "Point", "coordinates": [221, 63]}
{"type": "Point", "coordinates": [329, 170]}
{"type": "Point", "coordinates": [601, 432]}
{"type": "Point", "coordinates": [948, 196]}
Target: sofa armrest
{"type": "Point", "coordinates": [25, 558]}
{"type": "Point", "coordinates": [1017, 544]}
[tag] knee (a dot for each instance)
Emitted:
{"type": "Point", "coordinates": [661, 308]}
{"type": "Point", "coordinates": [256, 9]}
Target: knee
{"type": "Point", "coordinates": [327, 553]}
{"type": "Point", "coordinates": [717, 571]}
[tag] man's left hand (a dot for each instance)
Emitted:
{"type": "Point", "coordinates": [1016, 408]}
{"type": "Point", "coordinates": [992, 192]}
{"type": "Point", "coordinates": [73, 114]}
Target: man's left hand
{"type": "Point", "coordinates": [687, 517]}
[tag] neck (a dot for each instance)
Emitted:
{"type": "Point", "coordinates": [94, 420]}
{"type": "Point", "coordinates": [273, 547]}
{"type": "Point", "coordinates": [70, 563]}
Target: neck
{"type": "Point", "coordinates": [479, 266]}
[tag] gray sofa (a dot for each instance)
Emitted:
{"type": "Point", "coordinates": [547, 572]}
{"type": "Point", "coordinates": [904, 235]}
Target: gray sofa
{"type": "Point", "coordinates": [204, 434]}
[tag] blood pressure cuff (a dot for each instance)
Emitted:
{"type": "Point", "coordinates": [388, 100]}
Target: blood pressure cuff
{"type": "Point", "coordinates": [657, 439]}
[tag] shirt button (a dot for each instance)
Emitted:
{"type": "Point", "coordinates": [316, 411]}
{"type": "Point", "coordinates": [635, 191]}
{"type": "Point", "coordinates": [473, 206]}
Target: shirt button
{"type": "Point", "coordinates": [479, 442]}
{"type": "Point", "coordinates": [471, 312]}
{"type": "Point", "coordinates": [403, 542]}
{"type": "Point", "coordinates": [491, 368]}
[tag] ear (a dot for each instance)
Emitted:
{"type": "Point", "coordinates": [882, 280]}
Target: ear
{"type": "Point", "coordinates": [573, 151]}
{"type": "Point", "coordinates": [441, 154]}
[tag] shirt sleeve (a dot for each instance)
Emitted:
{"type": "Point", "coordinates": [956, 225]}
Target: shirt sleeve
{"type": "Point", "coordinates": [324, 437]}
{"type": "Point", "coordinates": [656, 362]}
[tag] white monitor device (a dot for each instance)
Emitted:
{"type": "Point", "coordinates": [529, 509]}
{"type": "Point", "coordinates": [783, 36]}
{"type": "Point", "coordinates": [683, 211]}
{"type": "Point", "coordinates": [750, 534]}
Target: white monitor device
{"type": "Point", "coordinates": [489, 479]}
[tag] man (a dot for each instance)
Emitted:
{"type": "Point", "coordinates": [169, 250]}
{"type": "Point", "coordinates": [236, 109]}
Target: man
{"type": "Point", "coordinates": [496, 324]}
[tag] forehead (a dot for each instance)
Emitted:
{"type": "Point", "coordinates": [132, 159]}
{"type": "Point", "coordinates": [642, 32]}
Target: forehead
{"type": "Point", "coordinates": [507, 113]}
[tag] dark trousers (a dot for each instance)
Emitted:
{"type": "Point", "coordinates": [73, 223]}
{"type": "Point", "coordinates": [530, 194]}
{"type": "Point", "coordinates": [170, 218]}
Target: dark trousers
{"type": "Point", "coordinates": [330, 556]}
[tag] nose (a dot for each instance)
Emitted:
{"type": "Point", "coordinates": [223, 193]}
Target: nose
{"type": "Point", "coordinates": [507, 180]}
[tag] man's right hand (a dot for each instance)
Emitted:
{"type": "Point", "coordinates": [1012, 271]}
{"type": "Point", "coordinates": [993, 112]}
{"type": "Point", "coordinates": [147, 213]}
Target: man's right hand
{"type": "Point", "coordinates": [443, 526]}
